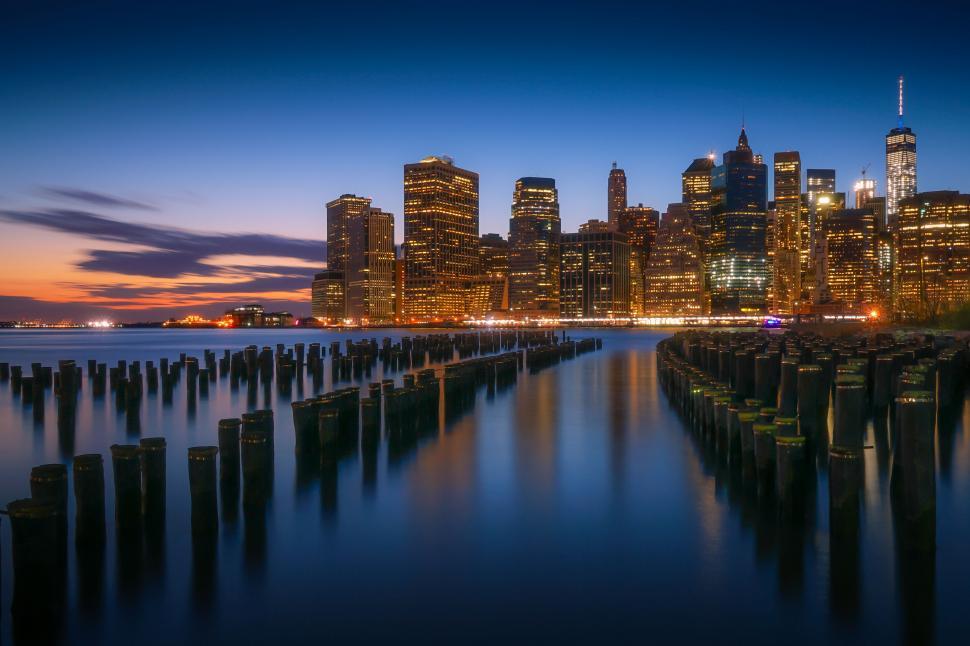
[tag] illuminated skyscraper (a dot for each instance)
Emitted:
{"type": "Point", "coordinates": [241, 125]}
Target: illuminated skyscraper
{"type": "Point", "coordinates": [865, 190]}
{"type": "Point", "coordinates": [852, 258]}
{"type": "Point", "coordinates": [370, 267]}
{"type": "Point", "coordinates": [399, 316]}
{"type": "Point", "coordinates": [327, 296]}
{"type": "Point", "coordinates": [534, 232]}
{"type": "Point", "coordinates": [340, 212]}
{"type": "Point", "coordinates": [493, 255]}
{"type": "Point", "coordinates": [360, 245]}
{"type": "Point", "coordinates": [932, 244]}
{"type": "Point", "coordinates": [489, 293]}
{"type": "Point", "coordinates": [771, 221]}
{"type": "Point", "coordinates": [825, 204]}
{"type": "Point", "coordinates": [737, 268]}
{"type": "Point", "coordinates": [440, 238]}
{"type": "Point", "coordinates": [639, 223]}
{"type": "Point", "coordinates": [818, 180]}
{"type": "Point", "coordinates": [696, 196]}
{"type": "Point", "coordinates": [616, 194]}
{"type": "Point", "coordinates": [674, 276]}
{"type": "Point", "coordinates": [900, 163]}
{"type": "Point", "coordinates": [595, 273]}
{"type": "Point", "coordinates": [787, 287]}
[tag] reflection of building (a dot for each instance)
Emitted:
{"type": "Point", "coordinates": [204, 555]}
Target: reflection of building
{"type": "Point", "coordinates": [900, 163]}
{"type": "Point", "coordinates": [639, 223]}
{"type": "Point", "coordinates": [327, 296]}
{"type": "Point", "coordinates": [737, 266]}
{"type": "Point", "coordinates": [852, 261]}
{"type": "Point", "coordinates": [932, 244]}
{"type": "Point", "coordinates": [534, 232]}
{"type": "Point", "coordinates": [440, 238]}
{"type": "Point", "coordinates": [786, 274]}
{"type": "Point", "coordinates": [595, 273]}
{"type": "Point", "coordinates": [616, 195]}
{"type": "Point", "coordinates": [247, 315]}
{"type": "Point", "coordinates": [674, 276]}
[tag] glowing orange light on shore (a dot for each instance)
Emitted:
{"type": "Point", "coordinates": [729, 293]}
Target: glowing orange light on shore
{"type": "Point", "coordinates": [874, 314]}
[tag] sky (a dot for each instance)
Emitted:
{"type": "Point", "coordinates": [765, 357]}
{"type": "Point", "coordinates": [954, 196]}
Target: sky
{"type": "Point", "coordinates": [165, 158]}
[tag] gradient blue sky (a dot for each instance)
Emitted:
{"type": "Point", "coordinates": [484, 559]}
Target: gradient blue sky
{"type": "Point", "coordinates": [248, 117]}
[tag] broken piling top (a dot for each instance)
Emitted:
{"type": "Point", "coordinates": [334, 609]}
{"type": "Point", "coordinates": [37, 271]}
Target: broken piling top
{"type": "Point", "coordinates": [30, 509]}
{"type": "Point", "coordinates": [765, 429]}
{"type": "Point", "coordinates": [124, 451]}
{"type": "Point", "coordinates": [202, 453]}
{"type": "Point", "coordinates": [152, 444]}
{"type": "Point", "coordinates": [916, 397]}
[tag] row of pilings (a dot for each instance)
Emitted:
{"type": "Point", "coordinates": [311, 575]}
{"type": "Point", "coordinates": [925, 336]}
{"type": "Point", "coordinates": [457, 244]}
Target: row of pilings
{"type": "Point", "coordinates": [327, 427]}
{"type": "Point", "coordinates": [762, 402]}
{"type": "Point", "coordinates": [128, 382]}
{"type": "Point", "coordinates": [899, 397]}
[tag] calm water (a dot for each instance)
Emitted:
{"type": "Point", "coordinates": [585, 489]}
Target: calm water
{"type": "Point", "coordinates": [571, 507]}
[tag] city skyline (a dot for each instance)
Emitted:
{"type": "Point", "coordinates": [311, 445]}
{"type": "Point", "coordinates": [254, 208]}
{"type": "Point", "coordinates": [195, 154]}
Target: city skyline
{"type": "Point", "coordinates": [261, 150]}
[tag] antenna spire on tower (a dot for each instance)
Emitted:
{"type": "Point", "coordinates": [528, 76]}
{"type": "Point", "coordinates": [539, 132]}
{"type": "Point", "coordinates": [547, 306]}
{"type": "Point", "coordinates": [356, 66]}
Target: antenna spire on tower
{"type": "Point", "coordinates": [900, 115]}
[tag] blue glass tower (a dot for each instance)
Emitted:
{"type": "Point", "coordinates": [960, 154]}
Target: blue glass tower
{"type": "Point", "coordinates": [738, 271]}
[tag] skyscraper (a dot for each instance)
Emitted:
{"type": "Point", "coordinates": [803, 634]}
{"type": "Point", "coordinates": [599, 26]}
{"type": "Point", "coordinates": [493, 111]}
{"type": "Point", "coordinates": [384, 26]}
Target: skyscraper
{"type": "Point", "coordinates": [489, 293]}
{"type": "Point", "coordinates": [674, 276]}
{"type": "Point", "coordinates": [787, 235]}
{"type": "Point", "coordinates": [340, 212]}
{"type": "Point", "coordinates": [932, 244]}
{"type": "Point", "coordinates": [825, 205]}
{"type": "Point", "coordinates": [360, 245]}
{"type": "Point", "coordinates": [819, 180]}
{"type": "Point", "coordinates": [616, 194]}
{"type": "Point", "coordinates": [327, 296]}
{"type": "Point", "coordinates": [900, 163]}
{"type": "Point", "coordinates": [493, 255]}
{"type": "Point", "coordinates": [639, 223]}
{"type": "Point", "coordinates": [865, 190]}
{"type": "Point", "coordinates": [534, 232]}
{"type": "Point", "coordinates": [595, 273]}
{"type": "Point", "coordinates": [737, 267]}
{"type": "Point", "coordinates": [440, 238]}
{"type": "Point", "coordinates": [369, 272]}
{"type": "Point", "coordinates": [696, 196]}
{"type": "Point", "coordinates": [852, 258]}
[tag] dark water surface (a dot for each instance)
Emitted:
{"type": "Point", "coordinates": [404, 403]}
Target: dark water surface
{"type": "Point", "coordinates": [573, 506]}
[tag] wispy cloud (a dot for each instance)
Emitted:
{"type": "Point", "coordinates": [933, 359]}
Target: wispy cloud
{"type": "Point", "coordinates": [93, 198]}
{"type": "Point", "coordinates": [170, 252]}
{"type": "Point", "coordinates": [166, 267]}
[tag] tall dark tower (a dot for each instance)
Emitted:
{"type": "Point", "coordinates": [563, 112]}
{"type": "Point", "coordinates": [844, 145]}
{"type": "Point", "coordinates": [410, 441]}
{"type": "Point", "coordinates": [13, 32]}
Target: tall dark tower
{"type": "Point", "coordinates": [738, 270]}
{"type": "Point", "coordinates": [616, 196]}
